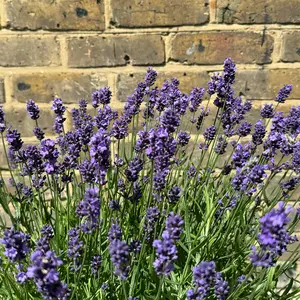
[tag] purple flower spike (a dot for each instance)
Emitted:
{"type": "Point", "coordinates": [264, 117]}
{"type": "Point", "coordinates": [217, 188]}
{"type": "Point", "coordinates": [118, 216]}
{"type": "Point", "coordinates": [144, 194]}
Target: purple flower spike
{"type": "Point", "coordinates": [209, 133]}
{"type": "Point", "coordinates": [90, 206]}
{"type": "Point", "coordinates": [183, 138]}
{"type": "Point", "coordinates": [273, 238]}
{"type": "Point", "coordinates": [14, 140]}
{"type": "Point", "coordinates": [38, 132]}
{"type": "Point", "coordinates": [284, 93]}
{"type": "Point", "coordinates": [16, 244]}
{"type": "Point", "coordinates": [150, 77]}
{"type": "Point", "coordinates": [101, 96]}
{"type": "Point", "coordinates": [33, 110]}
{"type": "Point", "coordinates": [58, 107]}
{"type": "Point", "coordinates": [2, 120]}
{"type": "Point", "coordinates": [166, 251]}
{"type": "Point", "coordinates": [196, 98]}
{"type": "Point", "coordinates": [119, 252]}
{"type": "Point", "coordinates": [43, 270]}
{"type": "Point", "coordinates": [267, 111]}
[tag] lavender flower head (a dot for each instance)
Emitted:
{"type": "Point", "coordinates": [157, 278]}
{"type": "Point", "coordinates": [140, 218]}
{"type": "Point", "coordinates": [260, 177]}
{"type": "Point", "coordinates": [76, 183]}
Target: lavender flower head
{"type": "Point", "coordinates": [101, 96]}
{"type": "Point", "coordinates": [43, 270]}
{"type": "Point", "coordinates": [221, 288]}
{"type": "Point", "coordinates": [196, 97]}
{"type": "Point", "coordinates": [96, 263]}
{"type": "Point", "coordinates": [119, 252]}
{"type": "Point", "coordinates": [284, 93]}
{"type": "Point", "coordinates": [14, 140]}
{"type": "Point", "coordinates": [50, 155]}
{"type": "Point", "coordinates": [209, 133]}
{"type": "Point", "coordinates": [166, 251]}
{"type": "Point", "coordinates": [38, 132]}
{"type": "Point", "coordinates": [267, 111]}
{"type": "Point", "coordinates": [115, 232]}
{"type": "Point", "coordinates": [75, 247]}
{"type": "Point", "coordinates": [174, 194]}
{"type": "Point", "coordinates": [58, 107]}
{"type": "Point", "coordinates": [2, 119]}
{"type": "Point", "coordinates": [16, 244]}
{"type": "Point", "coordinates": [183, 138]}
{"type": "Point", "coordinates": [90, 206]}
{"type": "Point", "coordinates": [204, 277]}
{"type": "Point", "coordinates": [273, 238]}
{"type": "Point", "coordinates": [33, 109]}
{"type": "Point", "coordinates": [150, 77]}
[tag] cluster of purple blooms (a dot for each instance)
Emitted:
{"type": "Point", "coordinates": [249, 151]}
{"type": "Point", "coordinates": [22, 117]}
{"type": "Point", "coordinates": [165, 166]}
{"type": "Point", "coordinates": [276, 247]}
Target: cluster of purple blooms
{"type": "Point", "coordinates": [17, 244]}
{"type": "Point", "coordinates": [44, 262]}
{"type": "Point", "coordinates": [119, 251]}
{"type": "Point", "coordinates": [84, 157]}
{"type": "Point", "coordinates": [273, 238]}
{"type": "Point", "coordinates": [166, 251]}
{"type": "Point", "coordinates": [206, 277]}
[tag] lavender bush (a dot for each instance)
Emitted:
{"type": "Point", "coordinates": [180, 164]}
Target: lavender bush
{"type": "Point", "coordinates": [145, 205]}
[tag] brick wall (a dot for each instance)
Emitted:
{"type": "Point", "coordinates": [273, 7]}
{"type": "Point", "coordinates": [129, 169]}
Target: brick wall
{"type": "Point", "coordinates": [70, 48]}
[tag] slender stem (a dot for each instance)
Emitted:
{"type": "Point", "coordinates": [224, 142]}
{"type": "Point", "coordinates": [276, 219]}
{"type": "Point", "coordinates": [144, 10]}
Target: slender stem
{"type": "Point", "coordinates": [161, 282]}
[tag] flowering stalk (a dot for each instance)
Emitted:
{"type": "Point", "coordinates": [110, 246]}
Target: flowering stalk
{"type": "Point", "coordinates": [145, 210]}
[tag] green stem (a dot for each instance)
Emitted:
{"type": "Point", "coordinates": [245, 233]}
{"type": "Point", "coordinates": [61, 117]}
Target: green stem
{"type": "Point", "coordinates": [161, 282]}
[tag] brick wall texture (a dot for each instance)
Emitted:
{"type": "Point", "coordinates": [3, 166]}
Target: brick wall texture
{"type": "Point", "coordinates": [71, 48]}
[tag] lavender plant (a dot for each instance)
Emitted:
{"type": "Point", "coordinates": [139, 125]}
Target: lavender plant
{"type": "Point", "coordinates": [145, 205]}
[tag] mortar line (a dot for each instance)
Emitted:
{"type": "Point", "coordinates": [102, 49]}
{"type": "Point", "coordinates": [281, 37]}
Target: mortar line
{"type": "Point", "coordinates": [185, 28]}
{"type": "Point", "coordinates": [171, 66]}
{"type": "Point", "coordinates": [2, 14]}
{"type": "Point", "coordinates": [107, 14]}
{"type": "Point", "coordinates": [63, 51]}
{"type": "Point", "coordinates": [212, 11]}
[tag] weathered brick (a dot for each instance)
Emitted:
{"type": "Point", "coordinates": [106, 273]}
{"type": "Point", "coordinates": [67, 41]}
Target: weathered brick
{"type": "Point", "coordinates": [2, 93]}
{"type": "Point", "coordinates": [253, 84]}
{"type": "Point", "coordinates": [291, 47]}
{"type": "Point", "coordinates": [18, 118]}
{"type": "Point", "coordinates": [55, 15]}
{"type": "Point", "coordinates": [213, 47]}
{"type": "Point", "coordinates": [98, 51]}
{"type": "Point", "coordinates": [127, 82]}
{"type": "Point", "coordinates": [265, 84]}
{"type": "Point", "coordinates": [22, 51]}
{"type": "Point", "coordinates": [135, 13]}
{"type": "Point", "coordinates": [258, 12]}
{"type": "Point", "coordinates": [42, 87]}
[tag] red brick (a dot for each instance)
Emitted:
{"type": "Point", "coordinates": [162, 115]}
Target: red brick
{"type": "Point", "coordinates": [55, 15]}
{"type": "Point", "coordinates": [43, 87]}
{"type": "Point", "coordinates": [22, 51]}
{"type": "Point", "coordinates": [98, 51]}
{"type": "Point", "coordinates": [208, 48]}
{"type": "Point", "coordinates": [258, 12]}
{"type": "Point", "coordinates": [151, 13]}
